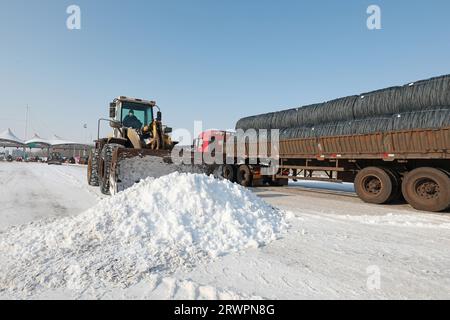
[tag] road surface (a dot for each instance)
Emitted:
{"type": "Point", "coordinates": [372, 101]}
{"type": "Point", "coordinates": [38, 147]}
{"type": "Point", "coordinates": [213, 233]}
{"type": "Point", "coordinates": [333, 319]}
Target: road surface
{"type": "Point", "coordinates": [34, 191]}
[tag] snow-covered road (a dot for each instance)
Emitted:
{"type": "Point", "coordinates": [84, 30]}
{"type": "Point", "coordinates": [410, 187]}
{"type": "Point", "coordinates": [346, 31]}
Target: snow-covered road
{"type": "Point", "coordinates": [34, 191]}
{"type": "Point", "coordinates": [337, 246]}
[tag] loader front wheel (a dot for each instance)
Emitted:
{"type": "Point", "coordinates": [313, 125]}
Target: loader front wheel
{"type": "Point", "coordinates": [105, 167]}
{"type": "Point", "coordinates": [92, 170]}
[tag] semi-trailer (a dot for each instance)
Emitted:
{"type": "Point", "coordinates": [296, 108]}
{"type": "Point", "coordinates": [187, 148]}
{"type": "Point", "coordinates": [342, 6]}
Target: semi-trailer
{"type": "Point", "coordinates": [391, 143]}
{"type": "Point", "coordinates": [384, 166]}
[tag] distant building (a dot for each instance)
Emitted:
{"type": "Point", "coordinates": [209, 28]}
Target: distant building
{"type": "Point", "coordinates": [78, 151]}
{"type": "Point", "coordinates": [4, 154]}
{"type": "Point", "coordinates": [18, 153]}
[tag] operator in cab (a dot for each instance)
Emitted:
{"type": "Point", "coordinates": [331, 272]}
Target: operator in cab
{"type": "Point", "coordinates": [131, 121]}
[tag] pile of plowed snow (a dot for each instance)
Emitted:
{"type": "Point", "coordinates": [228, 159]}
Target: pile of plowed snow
{"type": "Point", "coordinates": [155, 227]}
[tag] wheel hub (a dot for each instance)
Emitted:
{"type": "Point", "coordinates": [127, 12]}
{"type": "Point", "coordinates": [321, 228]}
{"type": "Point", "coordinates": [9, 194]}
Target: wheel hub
{"type": "Point", "coordinates": [372, 185]}
{"type": "Point", "coordinates": [427, 189]}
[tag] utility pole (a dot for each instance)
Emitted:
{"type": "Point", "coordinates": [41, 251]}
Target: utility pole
{"type": "Point", "coordinates": [85, 137]}
{"type": "Point", "coordinates": [26, 123]}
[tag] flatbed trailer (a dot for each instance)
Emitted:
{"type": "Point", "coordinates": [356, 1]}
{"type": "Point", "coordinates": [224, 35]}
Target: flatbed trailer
{"type": "Point", "coordinates": [385, 166]}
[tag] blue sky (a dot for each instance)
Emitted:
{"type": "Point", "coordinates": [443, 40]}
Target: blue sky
{"type": "Point", "coordinates": [214, 61]}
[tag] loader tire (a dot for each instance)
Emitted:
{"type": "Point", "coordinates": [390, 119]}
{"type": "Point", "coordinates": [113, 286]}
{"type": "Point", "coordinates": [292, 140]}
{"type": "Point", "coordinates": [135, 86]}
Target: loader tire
{"type": "Point", "coordinates": [106, 160]}
{"type": "Point", "coordinates": [92, 170]}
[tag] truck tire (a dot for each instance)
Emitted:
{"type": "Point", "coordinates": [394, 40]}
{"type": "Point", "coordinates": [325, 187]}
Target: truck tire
{"type": "Point", "coordinates": [278, 182]}
{"type": "Point", "coordinates": [427, 189]}
{"type": "Point", "coordinates": [244, 175]}
{"type": "Point", "coordinates": [396, 194]}
{"type": "Point", "coordinates": [375, 185]}
{"type": "Point", "coordinates": [106, 159]}
{"type": "Point", "coordinates": [92, 169]}
{"type": "Point", "coordinates": [229, 173]}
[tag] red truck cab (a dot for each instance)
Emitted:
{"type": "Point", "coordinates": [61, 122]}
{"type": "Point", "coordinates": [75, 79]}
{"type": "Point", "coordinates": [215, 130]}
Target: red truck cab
{"type": "Point", "coordinates": [217, 138]}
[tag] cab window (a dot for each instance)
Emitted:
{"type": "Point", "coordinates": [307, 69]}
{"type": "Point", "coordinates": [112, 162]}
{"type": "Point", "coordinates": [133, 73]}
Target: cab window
{"type": "Point", "coordinates": [143, 114]}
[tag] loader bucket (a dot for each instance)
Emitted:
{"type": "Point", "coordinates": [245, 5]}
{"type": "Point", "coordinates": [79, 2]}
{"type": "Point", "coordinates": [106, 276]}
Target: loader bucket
{"type": "Point", "coordinates": [130, 166]}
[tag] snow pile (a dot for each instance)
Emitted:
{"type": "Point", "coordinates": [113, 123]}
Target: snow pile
{"type": "Point", "coordinates": [155, 227]}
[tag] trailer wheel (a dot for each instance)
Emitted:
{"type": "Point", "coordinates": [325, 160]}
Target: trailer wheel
{"type": "Point", "coordinates": [396, 185]}
{"type": "Point", "coordinates": [427, 189]}
{"type": "Point", "coordinates": [278, 182]}
{"type": "Point", "coordinates": [229, 173]}
{"type": "Point", "coordinates": [244, 175]}
{"type": "Point", "coordinates": [92, 170]}
{"type": "Point", "coordinates": [105, 167]}
{"type": "Point", "coordinates": [374, 185]}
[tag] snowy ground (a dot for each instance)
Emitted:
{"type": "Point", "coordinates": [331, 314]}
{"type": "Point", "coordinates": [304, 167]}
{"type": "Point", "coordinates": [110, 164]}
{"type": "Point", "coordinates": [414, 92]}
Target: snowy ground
{"type": "Point", "coordinates": [33, 191]}
{"type": "Point", "coordinates": [335, 246]}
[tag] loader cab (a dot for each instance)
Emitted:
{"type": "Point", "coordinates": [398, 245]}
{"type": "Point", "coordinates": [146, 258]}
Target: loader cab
{"type": "Point", "coordinates": [122, 108]}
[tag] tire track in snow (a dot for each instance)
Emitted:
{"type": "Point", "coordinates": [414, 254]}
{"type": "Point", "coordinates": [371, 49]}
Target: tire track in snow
{"type": "Point", "coordinates": [77, 183]}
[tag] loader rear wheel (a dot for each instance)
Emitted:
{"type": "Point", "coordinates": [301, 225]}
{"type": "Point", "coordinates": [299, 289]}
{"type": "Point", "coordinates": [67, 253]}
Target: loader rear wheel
{"type": "Point", "coordinates": [244, 176]}
{"type": "Point", "coordinates": [92, 170]}
{"type": "Point", "coordinates": [105, 166]}
{"type": "Point", "coordinates": [427, 189]}
{"type": "Point", "coordinates": [229, 173]}
{"type": "Point", "coordinates": [374, 185]}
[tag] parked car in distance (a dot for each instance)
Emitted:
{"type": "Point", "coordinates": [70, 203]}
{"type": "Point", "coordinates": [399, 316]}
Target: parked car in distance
{"type": "Point", "coordinates": [83, 160]}
{"type": "Point", "coordinates": [55, 158]}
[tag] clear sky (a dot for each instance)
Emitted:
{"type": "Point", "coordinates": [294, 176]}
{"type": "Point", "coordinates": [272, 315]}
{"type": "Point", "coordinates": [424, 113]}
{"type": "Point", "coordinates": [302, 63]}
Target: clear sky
{"type": "Point", "coordinates": [209, 60]}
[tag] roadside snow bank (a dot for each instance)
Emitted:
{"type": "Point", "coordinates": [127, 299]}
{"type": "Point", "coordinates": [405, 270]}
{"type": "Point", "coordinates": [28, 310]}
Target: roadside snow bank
{"type": "Point", "coordinates": [155, 227]}
{"type": "Point", "coordinates": [402, 220]}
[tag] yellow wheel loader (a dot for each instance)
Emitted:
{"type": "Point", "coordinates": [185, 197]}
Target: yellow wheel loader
{"type": "Point", "coordinates": [138, 147]}
{"type": "Point", "coordinates": [138, 132]}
